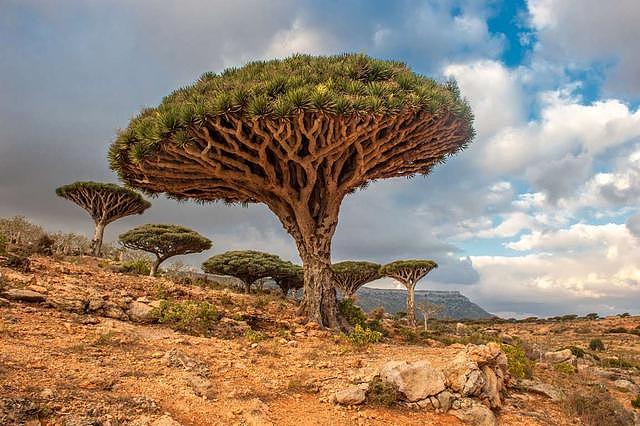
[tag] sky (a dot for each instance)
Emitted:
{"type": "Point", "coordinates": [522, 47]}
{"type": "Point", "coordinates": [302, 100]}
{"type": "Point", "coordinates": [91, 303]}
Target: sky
{"type": "Point", "coordinates": [539, 216]}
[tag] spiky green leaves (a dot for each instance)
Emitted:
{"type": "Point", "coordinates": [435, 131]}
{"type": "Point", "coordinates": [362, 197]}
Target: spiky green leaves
{"type": "Point", "coordinates": [351, 275]}
{"type": "Point", "coordinates": [165, 240]}
{"type": "Point", "coordinates": [341, 84]}
{"type": "Point", "coordinates": [105, 202]}
{"type": "Point", "coordinates": [248, 265]}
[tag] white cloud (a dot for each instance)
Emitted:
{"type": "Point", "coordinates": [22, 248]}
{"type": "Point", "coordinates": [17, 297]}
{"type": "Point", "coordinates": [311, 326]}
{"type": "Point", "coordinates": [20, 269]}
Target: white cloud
{"type": "Point", "coordinates": [581, 33]}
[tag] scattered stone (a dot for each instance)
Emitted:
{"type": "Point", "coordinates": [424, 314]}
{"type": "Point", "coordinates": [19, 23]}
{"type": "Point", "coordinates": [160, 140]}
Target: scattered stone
{"type": "Point", "coordinates": [37, 288]}
{"type": "Point", "coordinates": [545, 389]}
{"type": "Point", "coordinates": [256, 414]}
{"type": "Point", "coordinates": [352, 396]}
{"type": "Point", "coordinates": [202, 387]}
{"type": "Point", "coordinates": [461, 328]}
{"type": "Point", "coordinates": [4, 303]}
{"type": "Point", "coordinates": [558, 356]}
{"type": "Point", "coordinates": [445, 399]}
{"type": "Point", "coordinates": [24, 295]}
{"type": "Point", "coordinates": [416, 381]}
{"type": "Point", "coordinates": [78, 306]}
{"type": "Point", "coordinates": [165, 420]}
{"type": "Point", "coordinates": [178, 359]}
{"type": "Point", "coordinates": [46, 393]}
{"type": "Point", "coordinates": [312, 325]}
{"type": "Point", "coordinates": [140, 312]}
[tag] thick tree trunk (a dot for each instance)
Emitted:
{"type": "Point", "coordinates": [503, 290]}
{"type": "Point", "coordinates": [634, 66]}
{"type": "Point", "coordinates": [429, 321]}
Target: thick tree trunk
{"type": "Point", "coordinates": [411, 305]}
{"type": "Point", "coordinates": [96, 243]}
{"type": "Point", "coordinates": [154, 267]}
{"type": "Point", "coordinates": [319, 303]}
{"type": "Point", "coordinates": [247, 286]}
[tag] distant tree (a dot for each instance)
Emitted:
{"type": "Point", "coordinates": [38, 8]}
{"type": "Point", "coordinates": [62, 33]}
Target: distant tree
{"type": "Point", "coordinates": [164, 241]}
{"type": "Point", "coordinates": [298, 135]}
{"type": "Point", "coordinates": [428, 310]}
{"type": "Point", "coordinates": [288, 276]}
{"type": "Point", "coordinates": [19, 231]}
{"type": "Point", "coordinates": [351, 275]}
{"type": "Point", "coordinates": [592, 316]}
{"type": "Point", "coordinates": [408, 273]}
{"type": "Point", "coordinates": [247, 265]}
{"type": "Point", "coordinates": [105, 202]}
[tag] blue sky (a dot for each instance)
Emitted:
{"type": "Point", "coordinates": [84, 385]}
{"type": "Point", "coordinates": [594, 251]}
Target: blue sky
{"type": "Point", "coordinates": [538, 217]}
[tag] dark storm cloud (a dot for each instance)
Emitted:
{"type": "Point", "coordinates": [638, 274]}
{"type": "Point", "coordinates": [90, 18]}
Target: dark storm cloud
{"type": "Point", "coordinates": [73, 72]}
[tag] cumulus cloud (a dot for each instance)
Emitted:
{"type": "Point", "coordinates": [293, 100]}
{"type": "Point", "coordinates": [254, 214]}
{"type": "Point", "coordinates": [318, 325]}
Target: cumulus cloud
{"type": "Point", "coordinates": [584, 33]}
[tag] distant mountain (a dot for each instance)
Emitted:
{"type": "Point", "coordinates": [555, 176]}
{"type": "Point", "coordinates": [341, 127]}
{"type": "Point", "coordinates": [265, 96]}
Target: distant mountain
{"type": "Point", "coordinates": [455, 305]}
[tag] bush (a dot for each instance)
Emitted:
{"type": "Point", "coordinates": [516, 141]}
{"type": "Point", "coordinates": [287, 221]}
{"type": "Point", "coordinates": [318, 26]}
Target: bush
{"type": "Point", "coordinates": [520, 366]}
{"type": "Point", "coordinates": [564, 368]}
{"type": "Point", "coordinates": [635, 403]}
{"type": "Point", "coordinates": [381, 392]}
{"type": "Point", "coordinates": [44, 245]}
{"type": "Point", "coordinates": [254, 336]}
{"type": "Point", "coordinates": [597, 407]}
{"type": "Point", "coordinates": [617, 330]}
{"type": "Point", "coordinates": [136, 267]}
{"type": "Point", "coordinates": [596, 345]}
{"type": "Point", "coordinates": [352, 312]}
{"type": "Point", "coordinates": [363, 336]}
{"type": "Point", "coordinates": [192, 317]}
{"type": "Point", "coordinates": [576, 351]}
{"type": "Point", "coordinates": [591, 316]}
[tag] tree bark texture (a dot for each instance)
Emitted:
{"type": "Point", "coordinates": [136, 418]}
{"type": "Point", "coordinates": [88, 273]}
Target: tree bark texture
{"type": "Point", "coordinates": [96, 242]}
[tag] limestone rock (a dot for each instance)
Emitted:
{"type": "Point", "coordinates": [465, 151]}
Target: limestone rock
{"type": "Point", "coordinates": [558, 356]}
{"type": "Point", "coordinates": [445, 399]}
{"type": "Point", "coordinates": [626, 385]}
{"type": "Point", "coordinates": [416, 381]}
{"type": "Point", "coordinates": [165, 421]}
{"type": "Point", "coordinates": [4, 303]}
{"type": "Point", "coordinates": [140, 312]}
{"type": "Point", "coordinates": [23, 295]}
{"type": "Point", "coordinates": [352, 396]}
{"type": "Point", "coordinates": [475, 414]}
{"type": "Point", "coordinates": [545, 389]}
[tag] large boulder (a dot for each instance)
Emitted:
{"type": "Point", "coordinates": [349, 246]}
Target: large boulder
{"type": "Point", "coordinates": [480, 371]}
{"type": "Point", "coordinates": [544, 389]}
{"type": "Point", "coordinates": [23, 295]}
{"type": "Point", "coordinates": [416, 381]}
{"type": "Point", "coordinates": [473, 413]}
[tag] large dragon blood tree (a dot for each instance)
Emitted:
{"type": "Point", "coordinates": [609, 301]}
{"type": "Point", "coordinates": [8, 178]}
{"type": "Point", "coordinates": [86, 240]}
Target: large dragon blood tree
{"type": "Point", "coordinates": [105, 202]}
{"type": "Point", "coordinates": [298, 135]}
{"type": "Point", "coordinates": [350, 275]}
{"type": "Point", "coordinates": [164, 241]}
{"type": "Point", "coordinates": [409, 272]}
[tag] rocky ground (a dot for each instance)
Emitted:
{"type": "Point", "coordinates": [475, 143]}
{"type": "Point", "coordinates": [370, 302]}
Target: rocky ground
{"type": "Point", "coordinates": [79, 346]}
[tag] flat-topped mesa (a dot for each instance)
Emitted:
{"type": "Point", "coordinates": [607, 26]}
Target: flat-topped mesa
{"type": "Point", "coordinates": [298, 135]}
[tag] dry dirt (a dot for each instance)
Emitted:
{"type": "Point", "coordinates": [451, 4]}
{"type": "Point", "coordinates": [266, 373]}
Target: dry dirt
{"type": "Point", "coordinates": [60, 367]}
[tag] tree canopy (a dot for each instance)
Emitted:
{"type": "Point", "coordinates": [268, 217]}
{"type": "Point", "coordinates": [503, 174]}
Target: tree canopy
{"type": "Point", "coordinates": [164, 241]}
{"type": "Point", "coordinates": [298, 135]}
{"type": "Point", "coordinates": [247, 265]}
{"type": "Point", "coordinates": [351, 275]}
{"type": "Point", "coordinates": [105, 202]}
{"type": "Point", "coordinates": [288, 276]}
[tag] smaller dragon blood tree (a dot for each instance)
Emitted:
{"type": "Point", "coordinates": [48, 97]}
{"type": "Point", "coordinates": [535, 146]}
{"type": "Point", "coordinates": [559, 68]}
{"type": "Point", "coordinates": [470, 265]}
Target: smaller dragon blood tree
{"type": "Point", "coordinates": [351, 275]}
{"type": "Point", "coordinates": [409, 272]}
{"type": "Point", "coordinates": [164, 241]}
{"type": "Point", "coordinates": [105, 202]}
{"type": "Point", "coordinates": [247, 265]}
{"type": "Point", "coordinates": [288, 276]}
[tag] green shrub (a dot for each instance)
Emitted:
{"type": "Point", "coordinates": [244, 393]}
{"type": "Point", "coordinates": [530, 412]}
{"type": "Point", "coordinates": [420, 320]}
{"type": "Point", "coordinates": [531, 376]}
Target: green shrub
{"type": "Point", "coordinates": [3, 244]}
{"type": "Point", "coordinates": [254, 336]}
{"type": "Point", "coordinates": [381, 392]}
{"type": "Point", "coordinates": [591, 316]}
{"type": "Point", "coordinates": [576, 351]}
{"type": "Point", "coordinates": [363, 336]}
{"type": "Point", "coordinates": [596, 345]}
{"type": "Point", "coordinates": [192, 317]}
{"type": "Point", "coordinates": [136, 267]}
{"type": "Point", "coordinates": [617, 330]}
{"type": "Point", "coordinates": [520, 366]}
{"type": "Point", "coordinates": [597, 407]}
{"type": "Point", "coordinates": [564, 368]}
{"type": "Point", "coordinates": [352, 312]}
{"type": "Point", "coordinates": [635, 403]}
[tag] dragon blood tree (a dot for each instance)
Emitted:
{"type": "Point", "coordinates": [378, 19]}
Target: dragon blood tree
{"type": "Point", "coordinates": [409, 272]}
{"type": "Point", "coordinates": [288, 276]}
{"type": "Point", "coordinates": [352, 275]}
{"type": "Point", "coordinates": [298, 135]}
{"type": "Point", "coordinates": [164, 241]}
{"type": "Point", "coordinates": [105, 202]}
{"type": "Point", "coordinates": [247, 265]}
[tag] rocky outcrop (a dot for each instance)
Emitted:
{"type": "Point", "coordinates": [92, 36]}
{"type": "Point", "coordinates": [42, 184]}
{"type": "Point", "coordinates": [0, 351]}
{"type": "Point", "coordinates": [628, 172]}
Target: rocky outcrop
{"type": "Point", "coordinates": [555, 357]}
{"type": "Point", "coordinates": [23, 295]}
{"type": "Point", "coordinates": [470, 385]}
{"type": "Point", "coordinates": [540, 388]}
{"type": "Point", "coordinates": [140, 312]}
